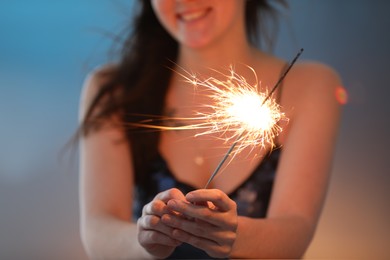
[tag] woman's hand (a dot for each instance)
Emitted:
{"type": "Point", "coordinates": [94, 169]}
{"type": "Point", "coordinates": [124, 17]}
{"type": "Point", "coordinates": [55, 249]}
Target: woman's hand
{"type": "Point", "coordinates": [153, 235]}
{"type": "Point", "coordinates": [210, 223]}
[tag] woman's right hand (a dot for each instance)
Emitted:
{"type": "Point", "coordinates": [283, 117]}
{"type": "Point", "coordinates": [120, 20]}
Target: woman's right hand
{"type": "Point", "coordinates": [154, 235]}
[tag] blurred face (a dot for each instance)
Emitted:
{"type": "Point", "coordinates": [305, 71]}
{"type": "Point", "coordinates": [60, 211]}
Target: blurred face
{"type": "Point", "coordinates": [198, 23]}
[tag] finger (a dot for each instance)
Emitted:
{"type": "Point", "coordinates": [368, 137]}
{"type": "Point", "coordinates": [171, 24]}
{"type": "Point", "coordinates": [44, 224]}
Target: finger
{"type": "Point", "coordinates": [155, 207]}
{"type": "Point", "coordinates": [193, 227]}
{"type": "Point", "coordinates": [199, 228]}
{"type": "Point", "coordinates": [149, 237]}
{"type": "Point", "coordinates": [153, 223]}
{"type": "Point", "coordinates": [206, 214]}
{"type": "Point", "coordinates": [217, 197]}
{"type": "Point", "coordinates": [211, 247]}
{"type": "Point", "coordinates": [167, 195]}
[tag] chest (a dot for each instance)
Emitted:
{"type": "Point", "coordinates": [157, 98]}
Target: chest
{"type": "Point", "coordinates": [191, 157]}
{"type": "Point", "coordinates": [192, 160]}
{"type": "Point", "coordinates": [251, 195]}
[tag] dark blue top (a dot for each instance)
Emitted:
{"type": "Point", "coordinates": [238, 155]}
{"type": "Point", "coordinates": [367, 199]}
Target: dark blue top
{"type": "Point", "coordinates": [252, 196]}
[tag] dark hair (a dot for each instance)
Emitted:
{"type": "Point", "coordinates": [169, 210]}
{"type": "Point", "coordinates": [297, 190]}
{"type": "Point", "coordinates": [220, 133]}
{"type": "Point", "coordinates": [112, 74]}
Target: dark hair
{"type": "Point", "coordinates": [139, 83]}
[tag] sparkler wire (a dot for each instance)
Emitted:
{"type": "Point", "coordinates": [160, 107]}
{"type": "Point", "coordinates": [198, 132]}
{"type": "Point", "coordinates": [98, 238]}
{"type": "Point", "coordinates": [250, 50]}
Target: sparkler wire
{"type": "Point", "coordinates": [238, 137]}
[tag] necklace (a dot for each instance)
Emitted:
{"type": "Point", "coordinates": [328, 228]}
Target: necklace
{"type": "Point", "coordinates": [170, 114]}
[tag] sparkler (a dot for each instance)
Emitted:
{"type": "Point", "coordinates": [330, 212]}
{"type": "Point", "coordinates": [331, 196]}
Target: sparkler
{"type": "Point", "coordinates": [268, 114]}
{"type": "Point", "coordinates": [240, 112]}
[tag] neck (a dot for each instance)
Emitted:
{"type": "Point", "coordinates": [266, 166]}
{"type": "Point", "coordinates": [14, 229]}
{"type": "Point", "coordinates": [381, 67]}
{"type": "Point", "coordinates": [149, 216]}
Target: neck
{"type": "Point", "coordinates": [218, 57]}
{"type": "Point", "coordinates": [221, 58]}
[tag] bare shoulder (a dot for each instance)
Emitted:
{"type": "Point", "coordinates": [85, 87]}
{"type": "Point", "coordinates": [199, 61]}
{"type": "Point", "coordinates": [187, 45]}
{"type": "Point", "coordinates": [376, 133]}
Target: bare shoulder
{"type": "Point", "coordinates": [316, 71]}
{"type": "Point", "coordinates": [315, 77]}
{"type": "Point", "coordinates": [312, 83]}
{"type": "Point", "coordinates": [93, 84]}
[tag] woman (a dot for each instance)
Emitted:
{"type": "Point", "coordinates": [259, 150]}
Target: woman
{"type": "Point", "coordinates": [141, 193]}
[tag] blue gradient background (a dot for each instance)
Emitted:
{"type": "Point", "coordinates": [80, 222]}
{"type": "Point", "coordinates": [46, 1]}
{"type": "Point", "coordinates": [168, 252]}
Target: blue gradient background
{"type": "Point", "coordinates": [48, 47]}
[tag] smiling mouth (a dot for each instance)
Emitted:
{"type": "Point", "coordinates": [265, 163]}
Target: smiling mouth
{"type": "Point", "coordinates": [194, 15]}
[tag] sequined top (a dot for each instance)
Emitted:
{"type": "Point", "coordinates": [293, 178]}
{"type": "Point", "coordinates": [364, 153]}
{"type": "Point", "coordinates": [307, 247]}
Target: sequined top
{"type": "Point", "coordinates": [252, 196]}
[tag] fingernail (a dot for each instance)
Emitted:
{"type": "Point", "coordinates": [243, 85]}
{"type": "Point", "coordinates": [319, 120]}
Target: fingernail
{"type": "Point", "coordinates": [190, 196]}
{"type": "Point", "coordinates": [172, 203]}
{"type": "Point", "coordinates": [165, 218]}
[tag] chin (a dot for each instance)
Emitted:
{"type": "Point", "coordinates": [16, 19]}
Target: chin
{"type": "Point", "coordinates": [196, 43]}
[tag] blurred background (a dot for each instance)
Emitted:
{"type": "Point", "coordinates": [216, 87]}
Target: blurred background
{"type": "Point", "coordinates": [48, 47]}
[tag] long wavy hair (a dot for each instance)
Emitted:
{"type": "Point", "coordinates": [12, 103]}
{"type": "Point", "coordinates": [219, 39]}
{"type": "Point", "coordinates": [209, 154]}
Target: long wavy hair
{"type": "Point", "coordinates": [138, 84]}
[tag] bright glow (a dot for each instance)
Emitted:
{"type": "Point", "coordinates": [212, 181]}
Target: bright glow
{"type": "Point", "coordinates": [341, 95]}
{"type": "Point", "coordinates": [260, 117]}
{"type": "Point", "coordinates": [238, 112]}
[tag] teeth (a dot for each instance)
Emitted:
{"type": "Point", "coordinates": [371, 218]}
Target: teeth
{"type": "Point", "coordinates": [193, 16]}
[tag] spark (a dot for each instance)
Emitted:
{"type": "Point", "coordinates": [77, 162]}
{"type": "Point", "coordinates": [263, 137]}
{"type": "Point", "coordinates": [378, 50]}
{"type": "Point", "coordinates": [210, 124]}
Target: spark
{"type": "Point", "coordinates": [239, 114]}
{"type": "Point", "coordinates": [235, 110]}
{"type": "Point", "coordinates": [238, 111]}
{"type": "Point", "coordinates": [270, 129]}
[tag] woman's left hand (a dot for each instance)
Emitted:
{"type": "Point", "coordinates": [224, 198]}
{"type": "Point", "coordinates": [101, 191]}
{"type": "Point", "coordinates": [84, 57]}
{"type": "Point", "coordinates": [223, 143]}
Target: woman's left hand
{"type": "Point", "coordinates": [210, 221]}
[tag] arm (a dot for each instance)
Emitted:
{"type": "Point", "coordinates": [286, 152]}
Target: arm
{"type": "Point", "coordinates": [303, 172]}
{"type": "Point", "coordinates": [299, 189]}
{"type": "Point", "coordinates": [106, 195]}
{"type": "Point", "coordinates": [106, 187]}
